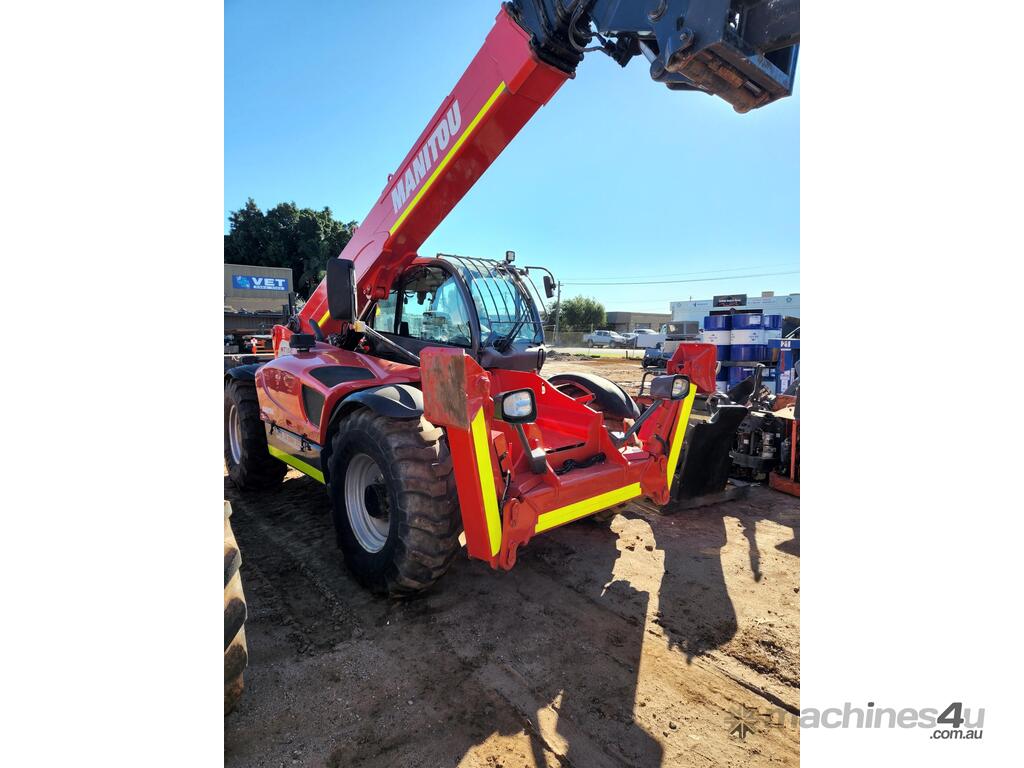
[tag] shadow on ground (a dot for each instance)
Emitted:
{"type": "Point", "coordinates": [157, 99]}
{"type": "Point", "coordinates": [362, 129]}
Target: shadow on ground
{"type": "Point", "coordinates": [562, 661]}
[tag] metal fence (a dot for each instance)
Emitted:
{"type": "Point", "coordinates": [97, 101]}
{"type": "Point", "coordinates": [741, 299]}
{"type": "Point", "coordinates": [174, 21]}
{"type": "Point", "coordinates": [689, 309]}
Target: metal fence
{"type": "Point", "coordinates": [564, 338]}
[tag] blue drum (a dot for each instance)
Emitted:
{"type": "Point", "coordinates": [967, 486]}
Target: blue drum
{"type": "Point", "coordinates": [718, 322]}
{"type": "Point", "coordinates": [747, 322]}
{"type": "Point", "coordinates": [754, 353]}
{"type": "Point", "coordinates": [747, 339]}
{"type": "Point", "coordinates": [721, 340]}
{"type": "Point", "coordinates": [738, 374]}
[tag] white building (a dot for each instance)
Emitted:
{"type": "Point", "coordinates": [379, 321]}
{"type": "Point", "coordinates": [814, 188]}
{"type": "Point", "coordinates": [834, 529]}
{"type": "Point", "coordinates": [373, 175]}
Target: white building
{"type": "Point", "coordinates": [767, 302]}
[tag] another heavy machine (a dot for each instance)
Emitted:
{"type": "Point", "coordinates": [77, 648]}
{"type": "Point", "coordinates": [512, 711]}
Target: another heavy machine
{"type": "Point", "coordinates": [410, 386]}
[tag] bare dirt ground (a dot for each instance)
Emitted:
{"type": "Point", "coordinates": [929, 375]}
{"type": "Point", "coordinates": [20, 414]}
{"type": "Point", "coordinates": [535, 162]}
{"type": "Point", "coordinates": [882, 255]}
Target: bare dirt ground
{"type": "Point", "coordinates": [627, 644]}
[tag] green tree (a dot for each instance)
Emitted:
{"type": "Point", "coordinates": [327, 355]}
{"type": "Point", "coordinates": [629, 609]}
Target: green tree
{"type": "Point", "coordinates": [581, 313]}
{"type": "Point", "coordinates": [286, 236]}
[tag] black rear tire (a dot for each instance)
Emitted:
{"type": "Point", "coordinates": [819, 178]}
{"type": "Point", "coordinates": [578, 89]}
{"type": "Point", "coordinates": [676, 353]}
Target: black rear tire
{"type": "Point", "coordinates": [609, 397]}
{"type": "Point", "coordinates": [414, 488]}
{"type": "Point", "coordinates": [250, 465]}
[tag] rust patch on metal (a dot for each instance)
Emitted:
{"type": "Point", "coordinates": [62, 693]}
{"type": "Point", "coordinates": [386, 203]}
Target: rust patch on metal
{"type": "Point", "coordinates": [444, 388]}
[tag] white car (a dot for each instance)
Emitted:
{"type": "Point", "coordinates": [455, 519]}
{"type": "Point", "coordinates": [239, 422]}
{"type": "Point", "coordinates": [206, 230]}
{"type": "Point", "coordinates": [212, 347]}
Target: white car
{"type": "Point", "coordinates": [647, 338]}
{"type": "Point", "coordinates": [604, 339]}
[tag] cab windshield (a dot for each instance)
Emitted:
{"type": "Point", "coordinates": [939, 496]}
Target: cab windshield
{"type": "Point", "coordinates": [503, 306]}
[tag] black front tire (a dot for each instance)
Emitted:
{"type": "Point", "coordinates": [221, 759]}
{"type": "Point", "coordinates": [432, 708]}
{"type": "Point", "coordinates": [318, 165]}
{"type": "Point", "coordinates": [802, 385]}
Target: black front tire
{"type": "Point", "coordinates": [418, 488]}
{"type": "Point", "coordinates": [250, 465]}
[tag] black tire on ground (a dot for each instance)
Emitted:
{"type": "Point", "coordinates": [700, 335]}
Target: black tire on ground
{"type": "Point", "coordinates": [410, 494]}
{"type": "Point", "coordinates": [236, 655]}
{"type": "Point", "coordinates": [253, 467]}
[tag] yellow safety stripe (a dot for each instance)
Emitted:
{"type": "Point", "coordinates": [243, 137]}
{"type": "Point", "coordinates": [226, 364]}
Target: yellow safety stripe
{"type": "Point", "coordinates": [299, 464]}
{"type": "Point", "coordinates": [677, 435]}
{"type": "Point", "coordinates": [482, 449]}
{"type": "Point", "coordinates": [583, 508]}
{"type": "Point", "coordinates": [324, 319]}
{"type": "Point", "coordinates": [447, 158]}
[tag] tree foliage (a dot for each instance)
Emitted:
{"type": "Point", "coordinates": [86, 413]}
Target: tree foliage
{"type": "Point", "coordinates": [580, 313]}
{"type": "Point", "coordinates": [286, 236]}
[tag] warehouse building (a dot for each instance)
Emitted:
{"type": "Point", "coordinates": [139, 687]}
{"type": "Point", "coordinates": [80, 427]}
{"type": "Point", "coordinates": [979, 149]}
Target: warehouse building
{"type": "Point", "coordinates": [624, 322]}
{"type": "Point", "coordinates": [256, 289]}
{"type": "Point", "coordinates": [255, 300]}
{"type": "Point", "coordinates": [787, 305]}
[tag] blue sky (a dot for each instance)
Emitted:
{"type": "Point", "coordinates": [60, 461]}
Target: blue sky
{"type": "Point", "coordinates": [618, 179]}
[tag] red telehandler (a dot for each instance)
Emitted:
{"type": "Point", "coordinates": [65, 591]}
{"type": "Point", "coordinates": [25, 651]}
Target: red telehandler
{"type": "Point", "coordinates": [410, 386]}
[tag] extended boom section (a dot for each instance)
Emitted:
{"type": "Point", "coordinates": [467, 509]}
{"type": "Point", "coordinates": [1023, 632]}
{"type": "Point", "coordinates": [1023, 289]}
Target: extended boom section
{"type": "Point", "coordinates": [503, 87]}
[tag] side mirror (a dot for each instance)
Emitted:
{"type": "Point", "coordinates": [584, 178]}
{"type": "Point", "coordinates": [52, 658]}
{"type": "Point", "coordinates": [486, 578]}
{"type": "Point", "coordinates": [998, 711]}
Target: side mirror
{"type": "Point", "coordinates": [516, 407]}
{"type": "Point", "coordinates": [341, 289]}
{"type": "Point", "coordinates": [549, 286]}
{"type": "Point", "coordinates": [672, 387]}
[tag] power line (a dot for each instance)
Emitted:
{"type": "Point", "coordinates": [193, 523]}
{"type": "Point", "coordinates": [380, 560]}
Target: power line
{"type": "Point", "coordinates": [693, 280]}
{"type": "Point", "coordinates": [615, 280]}
{"type": "Point", "coordinates": [612, 304]}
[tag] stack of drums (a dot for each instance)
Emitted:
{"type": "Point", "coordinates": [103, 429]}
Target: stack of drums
{"type": "Point", "coordinates": [717, 331]}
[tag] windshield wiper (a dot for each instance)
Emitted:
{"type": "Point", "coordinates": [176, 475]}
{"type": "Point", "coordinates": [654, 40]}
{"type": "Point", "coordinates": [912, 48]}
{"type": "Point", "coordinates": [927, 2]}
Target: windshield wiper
{"type": "Point", "coordinates": [522, 312]}
{"type": "Point", "coordinates": [503, 344]}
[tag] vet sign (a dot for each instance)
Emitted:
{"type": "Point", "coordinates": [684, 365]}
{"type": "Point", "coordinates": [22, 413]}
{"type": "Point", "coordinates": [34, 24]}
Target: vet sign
{"type": "Point", "coordinates": [259, 283]}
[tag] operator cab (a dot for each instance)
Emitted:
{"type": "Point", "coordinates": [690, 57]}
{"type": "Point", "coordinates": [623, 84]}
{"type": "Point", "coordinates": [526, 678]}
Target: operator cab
{"type": "Point", "coordinates": [486, 307]}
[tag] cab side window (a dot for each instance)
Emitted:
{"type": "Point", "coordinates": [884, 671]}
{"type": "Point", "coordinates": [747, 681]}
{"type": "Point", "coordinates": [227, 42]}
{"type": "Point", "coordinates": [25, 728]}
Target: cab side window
{"type": "Point", "coordinates": [383, 319]}
{"type": "Point", "coordinates": [433, 308]}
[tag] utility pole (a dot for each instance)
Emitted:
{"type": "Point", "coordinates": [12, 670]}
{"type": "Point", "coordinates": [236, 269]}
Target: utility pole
{"type": "Point", "coordinates": [558, 311]}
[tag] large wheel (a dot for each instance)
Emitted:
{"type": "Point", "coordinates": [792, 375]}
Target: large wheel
{"type": "Point", "coordinates": [250, 465]}
{"type": "Point", "coordinates": [394, 502]}
{"type": "Point", "coordinates": [236, 654]}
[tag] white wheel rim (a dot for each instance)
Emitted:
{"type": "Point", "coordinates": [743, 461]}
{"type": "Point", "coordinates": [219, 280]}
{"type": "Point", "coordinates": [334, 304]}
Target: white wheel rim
{"type": "Point", "coordinates": [235, 434]}
{"type": "Point", "coordinates": [367, 503]}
